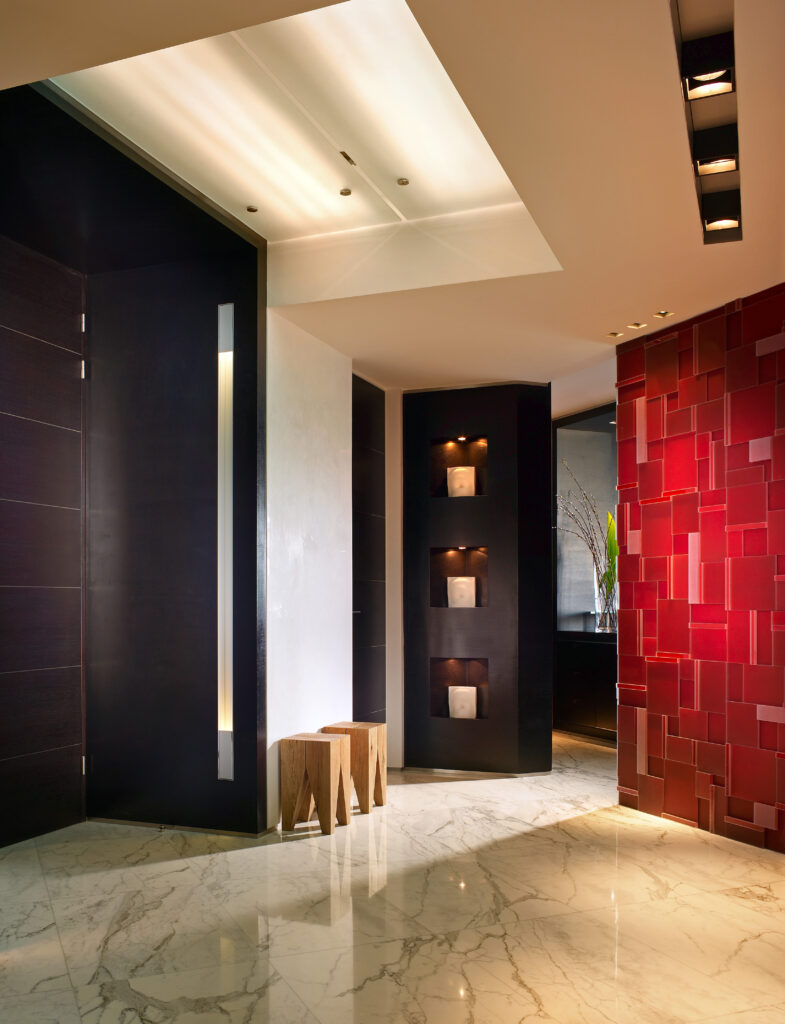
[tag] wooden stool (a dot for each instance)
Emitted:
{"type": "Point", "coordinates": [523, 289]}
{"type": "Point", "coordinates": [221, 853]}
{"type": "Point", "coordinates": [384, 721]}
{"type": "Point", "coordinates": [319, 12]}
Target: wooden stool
{"type": "Point", "coordinates": [369, 760]}
{"type": "Point", "coordinates": [316, 768]}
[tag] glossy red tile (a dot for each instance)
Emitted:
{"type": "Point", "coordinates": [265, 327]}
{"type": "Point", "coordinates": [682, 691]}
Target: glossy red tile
{"type": "Point", "coordinates": [662, 368]}
{"type": "Point", "coordinates": [680, 470]}
{"type": "Point", "coordinates": [751, 583]}
{"type": "Point", "coordinates": [753, 774]}
{"type": "Point", "coordinates": [750, 414]}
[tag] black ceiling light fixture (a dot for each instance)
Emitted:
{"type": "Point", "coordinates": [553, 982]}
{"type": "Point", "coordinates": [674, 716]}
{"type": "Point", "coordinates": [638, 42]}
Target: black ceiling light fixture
{"type": "Point", "coordinates": [716, 150]}
{"type": "Point", "coordinates": [707, 66]}
{"type": "Point", "coordinates": [703, 31]}
{"type": "Point", "coordinates": [721, 211]}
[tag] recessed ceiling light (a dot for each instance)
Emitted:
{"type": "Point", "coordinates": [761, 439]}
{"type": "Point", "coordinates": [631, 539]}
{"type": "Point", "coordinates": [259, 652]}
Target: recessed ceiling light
{"type": "Point", "coordinates": [707, 66]}
{"type": "Point", "coordinates": [612, 422]}
{"type": "Point", "coordinates": [636, 326]}
{"type": "Point", "coordinates": [716, 150]}
{"type": "Point", "coordinates": [462, 437]}
{"type": "Point", "coordinates": [346, 191]}
{"type": "Point", "coordinates": [614, 334]}
{"type": "Point", "coordinates": [403, 181]}
{"type": "Point", "coordinates": [252, 209]}
{"type": "Point", "coordinates": [662, 313]}
{"type": "Point", "coordinates": [721, 210]}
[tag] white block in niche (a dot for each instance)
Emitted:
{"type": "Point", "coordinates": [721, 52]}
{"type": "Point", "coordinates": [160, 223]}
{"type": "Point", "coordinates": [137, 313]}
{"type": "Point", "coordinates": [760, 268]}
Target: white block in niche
{"type": "Point", "coordinates": [461, 592]}
{"type": "Point", "coordinates": [460, 481]}
{"type": "Point", "coordinates": [463, 701]}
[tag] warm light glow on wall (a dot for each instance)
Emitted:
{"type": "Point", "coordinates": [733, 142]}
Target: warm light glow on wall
{"type": "Point", "coordinates": [224, 541]}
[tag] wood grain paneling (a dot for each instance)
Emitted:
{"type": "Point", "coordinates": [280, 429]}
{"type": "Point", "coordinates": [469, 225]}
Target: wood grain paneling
{"type": "Point", "coordinates": [151, 601]}
{"type": "Point", "coordinates": [40, 546]}
{"type": "Point", "coordinates": [39, 463]}
{"type": "Point", "coordinates": [513, 634]}
{"type": "Point", "coordinates": [40, 381]}
{"type": "Point", "coordinates": [368, 552]}
{"type": "Point", "coordinates": [40, 792]}
{"type": "Point", "coordinates": [39, 628]}
{"type": "Point", "coordinates": [41, 710]}
{"type": "Point", "coordinates": [38, 296]}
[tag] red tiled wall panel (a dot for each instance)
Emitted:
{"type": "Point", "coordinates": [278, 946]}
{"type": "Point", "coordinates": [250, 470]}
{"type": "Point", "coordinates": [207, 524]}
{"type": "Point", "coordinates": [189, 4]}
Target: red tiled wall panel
{"type": "Point", "coordinates": [701, 429]}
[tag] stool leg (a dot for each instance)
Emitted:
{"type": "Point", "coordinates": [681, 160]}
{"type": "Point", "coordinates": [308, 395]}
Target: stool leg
{"type": "Point", "coordinates": [363, 764]}
{"type": "Point", "coordinates": [345, 783]}
{"type": "Point", "coordinates": [294, 782]}
{"type": "Point", "coordinates": [380, 768]}
{"type": "Point", "coordinates": [323, 767]}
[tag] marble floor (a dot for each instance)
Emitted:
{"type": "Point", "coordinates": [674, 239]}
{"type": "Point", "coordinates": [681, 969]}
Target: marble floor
{"type": "Point", "coordinates": [464, 900]}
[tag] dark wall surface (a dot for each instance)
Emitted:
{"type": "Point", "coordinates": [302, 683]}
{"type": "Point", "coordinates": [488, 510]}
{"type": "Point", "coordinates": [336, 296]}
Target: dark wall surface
{"type": "Point", "coordinates": [156, 265]}
{"type": "Point", "coordinates": [152, 599]}
{"type": "Point", "coordinates": [41, 303]}
{"type": "Point", "coordinates": [368, 562]}
{"type": "Point", "coordinates": [505, 646]}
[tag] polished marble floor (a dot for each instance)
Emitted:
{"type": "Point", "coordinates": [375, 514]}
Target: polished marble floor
{"type": "Point", "coordinates": [477, 900]}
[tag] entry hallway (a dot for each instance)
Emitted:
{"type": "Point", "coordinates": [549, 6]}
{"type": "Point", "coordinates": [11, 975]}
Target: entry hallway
{"type": "Point", "coordinates": [470, 899]}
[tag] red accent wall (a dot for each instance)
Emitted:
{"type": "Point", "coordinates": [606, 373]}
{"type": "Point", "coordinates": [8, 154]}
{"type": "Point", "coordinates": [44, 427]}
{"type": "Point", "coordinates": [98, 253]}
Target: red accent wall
{"type": "Point", "coordinates": [701, 519]}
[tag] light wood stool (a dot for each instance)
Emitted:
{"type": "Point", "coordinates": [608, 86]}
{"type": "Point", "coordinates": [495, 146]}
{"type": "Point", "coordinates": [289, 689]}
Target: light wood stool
{"type": "Point", "coordinates": [316, 769]}
{"type": "Point", "coordinates": [369, 760]}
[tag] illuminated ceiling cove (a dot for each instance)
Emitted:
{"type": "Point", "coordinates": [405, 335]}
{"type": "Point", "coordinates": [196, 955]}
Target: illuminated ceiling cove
{"type": "Point", "coordinates": [262, 117]}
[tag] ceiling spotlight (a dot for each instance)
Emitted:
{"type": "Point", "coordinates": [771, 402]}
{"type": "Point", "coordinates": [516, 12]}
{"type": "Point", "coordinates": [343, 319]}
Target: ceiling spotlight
{"type": "Point", "coordinates": [614, 334]}
{"type": "Point", "coordinates": [636, 326]}
{"type": "Point", "coordinates": [462, 547]}
{"type": "Point", "coordinates": [707, 66]}
{"type": "Point", "coordinates": [662, 313]}
{"type": "Point", "coordinates": [346, 191]}
{"type": "Point", "coordinates": [462, 437]}
{"type": "Point", "coordinates": [252, 209]}
{"type": "Point", "coordinates": [716, 150]}
{"type": "Point", "coordinates": [612, 422]}
{"type": "Point", "coordinates": [403, 181]}
{"type": "Point", "coordinates": [721, 211]}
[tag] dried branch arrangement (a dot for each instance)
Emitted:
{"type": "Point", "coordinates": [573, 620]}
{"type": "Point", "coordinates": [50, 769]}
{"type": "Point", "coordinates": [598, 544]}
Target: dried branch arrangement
{"type": "Point", "coordinates": [582, 512]}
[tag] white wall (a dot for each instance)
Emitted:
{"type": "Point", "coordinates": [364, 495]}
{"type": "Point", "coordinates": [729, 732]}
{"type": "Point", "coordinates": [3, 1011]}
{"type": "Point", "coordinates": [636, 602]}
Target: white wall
{"type": "Point", "coordinates": [309, 539]}
{"type": "Point", "coordinates": [594, 385]}
{"type": "Point", "coordinates": [393, 442]}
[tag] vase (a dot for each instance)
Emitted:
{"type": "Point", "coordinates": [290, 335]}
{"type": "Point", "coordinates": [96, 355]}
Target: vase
{"type": "Point", "coordinates": [606, 605]}
{"type": "Point", "coordinates": [461, 592]}
{"type": "Point", "coordinates": [462, 701]}
{"type": "Point", "coordinates": [460, 481]}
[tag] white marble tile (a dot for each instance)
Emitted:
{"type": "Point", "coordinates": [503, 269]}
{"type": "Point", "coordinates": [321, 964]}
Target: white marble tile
{"type": "Point", "coordinates": [761, 1015]}
{"type": "Point", "coordinates": [482, 899]}
{"type": "Point", "coordinates": [585, 968]}
{"type": "Point", "coordinates": [287, 915]}
{"type": "Point", "coordinates": [102, 858]}
{"type": "Point", "coordinates": [421, 981]}
{"type": "Point", "coordinates": [722, 936]}
{"type": "Point", "coordinates": [20, 872]}
{"type": "Point", "coordinates": [232, 994]}
{"type": "Point", "coordinates": [41, 1008]}
{"type": "Point", "coordinates": [130, 934]}
{"type": "Point", "coordinates": [31, 957]}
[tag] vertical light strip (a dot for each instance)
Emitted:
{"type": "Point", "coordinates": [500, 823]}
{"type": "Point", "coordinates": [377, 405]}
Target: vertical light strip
{"type": "Point", "coordinates": [225, 545]}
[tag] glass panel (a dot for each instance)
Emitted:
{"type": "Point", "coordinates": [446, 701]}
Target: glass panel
{"type": "Point", "coordinates": [588, 447]}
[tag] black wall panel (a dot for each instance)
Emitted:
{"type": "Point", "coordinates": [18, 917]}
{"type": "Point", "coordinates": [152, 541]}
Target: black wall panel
{"type": "Point", "coordinates": [512, 635]}
{"type": "Point", "coordinates": [368, 552]}
{"type": "Point", "coordinates": [152, 602]}
{"type": "Point", "coordinates": [40, 543]}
